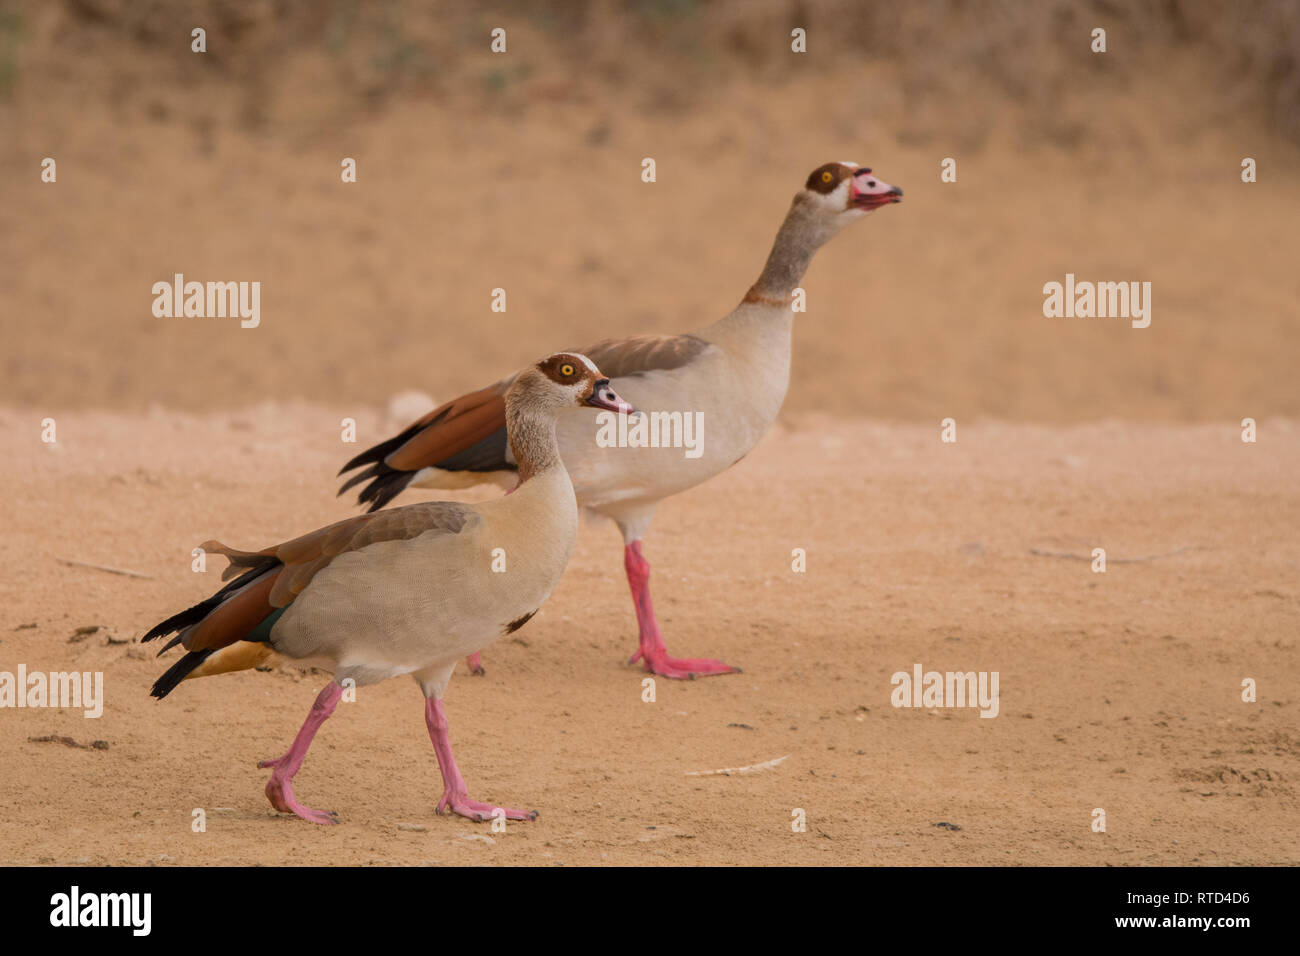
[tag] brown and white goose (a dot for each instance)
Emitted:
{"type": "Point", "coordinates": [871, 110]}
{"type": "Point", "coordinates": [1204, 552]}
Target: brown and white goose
{"type": "Point", "coordinates": [738, 368]}
{"type": "Point", "coordinates": [406, 591]}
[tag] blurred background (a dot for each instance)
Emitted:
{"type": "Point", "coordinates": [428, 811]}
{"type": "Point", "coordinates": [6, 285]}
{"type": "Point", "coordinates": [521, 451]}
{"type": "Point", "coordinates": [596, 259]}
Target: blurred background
{"type": "Point", "coordinates": [522, 171]}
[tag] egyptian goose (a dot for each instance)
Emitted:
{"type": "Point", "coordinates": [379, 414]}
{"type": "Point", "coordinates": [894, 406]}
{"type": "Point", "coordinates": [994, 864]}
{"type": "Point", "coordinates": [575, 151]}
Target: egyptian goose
{"type": "Point", "coordinates": [406, 591]}
{"type": "Point", "coordinates": [738, 367]}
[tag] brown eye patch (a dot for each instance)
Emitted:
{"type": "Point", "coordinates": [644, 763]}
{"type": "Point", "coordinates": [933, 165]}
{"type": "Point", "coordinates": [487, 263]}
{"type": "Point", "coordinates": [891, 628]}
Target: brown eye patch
{"type": "Point", "coordinates": [825, 179]}
{"type": "Point", "coordinates": [562, 368]}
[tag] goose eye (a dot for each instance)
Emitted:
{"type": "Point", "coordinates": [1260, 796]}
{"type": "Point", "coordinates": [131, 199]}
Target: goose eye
{"type": "Point", "coordinates": [827, 177]}
{"type": "Point", "coordinates": [566, 370]}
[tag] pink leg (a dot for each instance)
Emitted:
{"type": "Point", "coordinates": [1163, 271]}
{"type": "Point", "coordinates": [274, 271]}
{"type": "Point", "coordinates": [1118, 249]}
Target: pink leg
{"type": "Point", "coordinates": [455, 795]}
{"type": "Point", "coordinates": [279, 789]}
{"type": "Point", "coordinates": [652, 647]}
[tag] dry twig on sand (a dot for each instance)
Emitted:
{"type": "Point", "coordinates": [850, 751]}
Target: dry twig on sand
{"type": "Point", "coordinates": [105, 567]}
{"type": "Point", "coordinates": [1044, 553]}
{"type": "Point", "coordinates": [728, 771]}
{"type": "Point", "coordinates": [69, 742]}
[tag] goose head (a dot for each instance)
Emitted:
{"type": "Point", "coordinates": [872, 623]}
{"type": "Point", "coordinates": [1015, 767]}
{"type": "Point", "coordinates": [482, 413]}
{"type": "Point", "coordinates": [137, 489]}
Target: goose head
{"type": "Point", "coordinates": [570, 378]}
{"type": "Point", "coordinates": [843, 192]}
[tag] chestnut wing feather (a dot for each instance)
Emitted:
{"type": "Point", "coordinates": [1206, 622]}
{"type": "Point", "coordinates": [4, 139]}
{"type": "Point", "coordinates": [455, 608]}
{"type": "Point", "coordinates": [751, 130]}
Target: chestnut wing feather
{"type": "Point", "coordinates": [469, 433]}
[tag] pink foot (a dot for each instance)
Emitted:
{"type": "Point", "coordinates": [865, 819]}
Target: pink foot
{"type": "Point", "coordinates": [652, 648]}
{"type": "Point", "coordinates": [455, 795]}
{"type": "Point", "coordinates": [279, 789]}
{"type": "Point", "coordinates": [478, 810]}
{"type": "Point", "coordinates": [681, 668]}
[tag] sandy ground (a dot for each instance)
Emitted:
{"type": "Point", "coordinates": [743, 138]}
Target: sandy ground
{"type": "Point", "coordinates": [1119, 690]}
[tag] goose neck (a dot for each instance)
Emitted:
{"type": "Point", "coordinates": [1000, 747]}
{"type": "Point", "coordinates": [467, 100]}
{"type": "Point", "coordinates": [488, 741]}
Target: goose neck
{"type": "Point", "coordinates": [531, 432]}
{"type": "Point", "coordinates": [803, 232]}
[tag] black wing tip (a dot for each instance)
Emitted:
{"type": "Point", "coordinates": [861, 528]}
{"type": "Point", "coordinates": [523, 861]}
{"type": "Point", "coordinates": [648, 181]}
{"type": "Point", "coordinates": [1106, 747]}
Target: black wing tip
{"type": "Point", "coordinates": [165, 684]}
{"type": "Point", "coordinates": [366, 457]}
{"type": "Point", "coordinates": [374, 471]}
{"type": "Point", "coordinates": [377, 453]}
{"type": "Point", "coordinates": [173, 623]}
{"type": "Point", "coordinates": [193, 615]}
{"type": "Point", "coordinates": [384, 488]}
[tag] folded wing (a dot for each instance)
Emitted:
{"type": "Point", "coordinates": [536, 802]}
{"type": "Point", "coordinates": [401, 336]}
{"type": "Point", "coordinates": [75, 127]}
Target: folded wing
{"type": "Point", "coordinates": [267, 581]}
{"type": "Point", "coordinates": [468, 434]}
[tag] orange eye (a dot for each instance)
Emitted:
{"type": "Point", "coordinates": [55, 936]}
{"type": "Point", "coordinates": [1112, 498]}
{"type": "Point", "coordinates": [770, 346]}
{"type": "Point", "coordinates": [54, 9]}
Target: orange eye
{"type": "Point", "coordinates": [566, 370]}
{"type": "Point", "coordinates": [827, 177]}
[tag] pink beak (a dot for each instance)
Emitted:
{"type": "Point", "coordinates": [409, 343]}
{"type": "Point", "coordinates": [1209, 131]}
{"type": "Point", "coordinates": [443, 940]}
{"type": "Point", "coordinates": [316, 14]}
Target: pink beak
{"type": "Point", "coordinates": [868, 192]}
{"type": "Point", "coordinates": [603, 396]}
